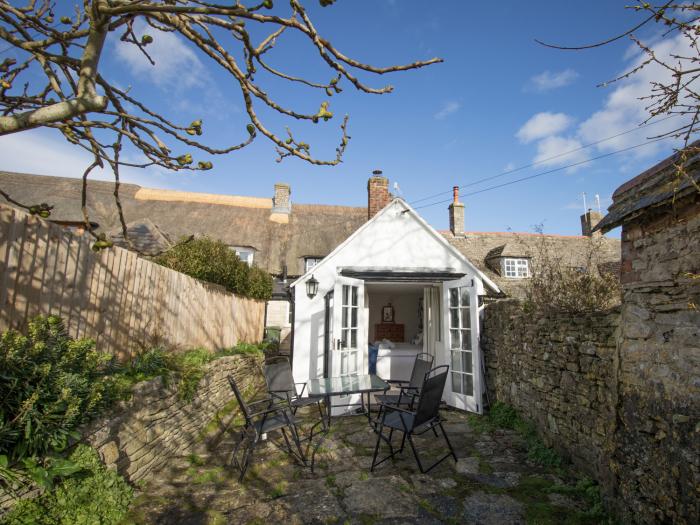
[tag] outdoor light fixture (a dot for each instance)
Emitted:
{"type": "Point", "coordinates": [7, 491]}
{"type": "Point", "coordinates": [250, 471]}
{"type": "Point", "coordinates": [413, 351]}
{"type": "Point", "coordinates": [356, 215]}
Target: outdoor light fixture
{"type": "Point", "coordinates": [311, 287]}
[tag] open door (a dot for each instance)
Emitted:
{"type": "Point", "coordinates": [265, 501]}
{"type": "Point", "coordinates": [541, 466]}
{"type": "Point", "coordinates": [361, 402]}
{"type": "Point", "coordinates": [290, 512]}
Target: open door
{"type": "Point", "coordinates": [461, 345]}
{"type": "Point", "coordinates": [349, 338]}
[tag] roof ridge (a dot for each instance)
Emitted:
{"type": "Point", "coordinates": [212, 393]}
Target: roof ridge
{"type": "Point", "coordinates": [528, 234]}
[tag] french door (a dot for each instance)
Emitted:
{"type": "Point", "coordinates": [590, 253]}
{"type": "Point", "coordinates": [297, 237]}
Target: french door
{"type": "Point", "coordinates": [461, 345]}
{"type": "Point", "coordinates": [349, 339]}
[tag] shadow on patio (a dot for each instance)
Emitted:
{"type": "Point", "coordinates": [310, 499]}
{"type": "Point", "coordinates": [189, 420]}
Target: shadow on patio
{"type": "Point", "coordinates": [493, 482]}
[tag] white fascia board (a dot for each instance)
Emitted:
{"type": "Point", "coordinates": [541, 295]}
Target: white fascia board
{"type": "Point", "coordinates": [407, 209]}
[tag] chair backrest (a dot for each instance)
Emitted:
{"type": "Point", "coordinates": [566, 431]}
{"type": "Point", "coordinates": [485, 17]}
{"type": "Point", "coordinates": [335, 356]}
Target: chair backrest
{"type": "Point", "coordinates": [431, 395]}
{"type": "Point", "coordinates": [278, 376]}
{"type": "Point", "coordinates": [421, 366]}
{"type": "Point", "coordinates": [239, 398]}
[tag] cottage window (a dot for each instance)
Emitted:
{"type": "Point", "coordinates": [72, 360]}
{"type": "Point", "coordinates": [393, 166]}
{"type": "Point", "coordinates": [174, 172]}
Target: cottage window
{"type": "Point", "coordinates": [244, 254]}
{"type": "Point", "coordinates": [310, 262]}
{"type": "Point", "coordinates": [516, 268]}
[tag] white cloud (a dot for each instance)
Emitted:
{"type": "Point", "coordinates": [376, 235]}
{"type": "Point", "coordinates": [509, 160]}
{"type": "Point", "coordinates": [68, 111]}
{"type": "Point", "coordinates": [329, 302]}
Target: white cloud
{"type": "Point", "coordinates": [543, 125]}
{"type": "Point", "coordinates": [45, 152]}
{"type": "Point", "coordinates": [554, 151]}
{"type": "Point", "coordinates": [447, 109]}
{"type": "Point", "coordinates": [623, 109]}
{"type": "Point", "coordinates": [548, 80]}
{"type": "Point", "coordinates": [177, 65]}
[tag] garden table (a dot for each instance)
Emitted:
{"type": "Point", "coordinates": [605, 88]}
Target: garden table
{"type": "Point", "coordinates": [362, 384]}
{"type": "Point", "coordinates": [328, 387]}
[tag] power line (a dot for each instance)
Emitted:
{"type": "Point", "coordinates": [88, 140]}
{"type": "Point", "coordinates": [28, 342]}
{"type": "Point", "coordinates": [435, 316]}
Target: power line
{"type": "Point", "coordinates": [529, 177]}
{"type": "Point", "coordinates": [542, 161]}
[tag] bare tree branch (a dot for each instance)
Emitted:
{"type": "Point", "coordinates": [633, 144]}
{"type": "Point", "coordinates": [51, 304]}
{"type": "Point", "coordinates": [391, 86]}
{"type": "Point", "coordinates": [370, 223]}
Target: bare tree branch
{"type": "Point", "coordinates": [55, 79]}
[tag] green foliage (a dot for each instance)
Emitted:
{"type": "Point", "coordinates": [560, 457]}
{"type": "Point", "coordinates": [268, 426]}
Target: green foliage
{"type": "Point", "coordinates": [501, 415]}
{"type": "Point", "coordinates": [215, 262]}
{"type": "Point", "coordinates": [49, 385]}
{"type": "Point", "coordinates": [96, 495]}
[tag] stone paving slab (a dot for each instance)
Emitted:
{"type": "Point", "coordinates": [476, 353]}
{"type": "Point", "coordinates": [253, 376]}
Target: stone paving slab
{"type": "Point", "coordinates": [492, 483]}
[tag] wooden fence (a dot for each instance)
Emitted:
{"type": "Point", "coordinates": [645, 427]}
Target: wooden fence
{"type": "Point", "coordinates": [122, 301]}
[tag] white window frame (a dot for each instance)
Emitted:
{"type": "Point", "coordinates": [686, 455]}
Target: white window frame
{"type": "Point", "coordinates": [516, 268]}
{"type": "Point", "coordinates": [245, 254]}
{"type": "Point", "coordinates": [308, 260]}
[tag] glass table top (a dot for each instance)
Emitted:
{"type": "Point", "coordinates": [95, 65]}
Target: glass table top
{"type": "Point", "coordinates": [351, 384]}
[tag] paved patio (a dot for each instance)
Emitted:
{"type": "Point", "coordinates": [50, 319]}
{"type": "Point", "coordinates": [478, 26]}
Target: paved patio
{"type": "Point", "coordinates": [492, 483]}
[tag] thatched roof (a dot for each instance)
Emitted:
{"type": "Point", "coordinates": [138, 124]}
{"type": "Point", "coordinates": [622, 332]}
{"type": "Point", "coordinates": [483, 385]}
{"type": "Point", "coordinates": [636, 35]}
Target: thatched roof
{"type": "Point", "coordinates": [158, 217]}
{"type": "Point", "coordinates": [311, 230]}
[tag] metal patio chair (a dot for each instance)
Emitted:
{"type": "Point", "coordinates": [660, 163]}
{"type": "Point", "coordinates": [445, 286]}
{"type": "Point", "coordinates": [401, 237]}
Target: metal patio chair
{"type": "Point", "coordinates": [281, 385]}
{"type": "Point", "coordinates": [408, 390]}
{"type": "Point", "coordinates": [272, 416]}
{"type": "Point", "coordinates": [425, 417]}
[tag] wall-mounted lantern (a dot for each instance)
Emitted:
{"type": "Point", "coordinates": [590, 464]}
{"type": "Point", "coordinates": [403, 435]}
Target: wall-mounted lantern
{"type": "Point", "coordinates": [311, 287]}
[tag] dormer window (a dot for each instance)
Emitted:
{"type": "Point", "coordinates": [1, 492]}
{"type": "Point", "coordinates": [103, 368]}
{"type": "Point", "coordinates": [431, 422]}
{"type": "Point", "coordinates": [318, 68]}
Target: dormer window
{"type": "Point", "coordinates": [245, 254]}
{"type": "Point", "coordinates": [516, 268]}
{"type": "Point", "coordinates": [310, 262]}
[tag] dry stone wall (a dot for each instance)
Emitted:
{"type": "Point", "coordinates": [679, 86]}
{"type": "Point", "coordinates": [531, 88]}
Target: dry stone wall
{"type": "Point", "coordinates": [557, 371]}
{"type": "Point", "coordinates": [155, 425]}
{"type": "Point", "coordinates": [656, 459]}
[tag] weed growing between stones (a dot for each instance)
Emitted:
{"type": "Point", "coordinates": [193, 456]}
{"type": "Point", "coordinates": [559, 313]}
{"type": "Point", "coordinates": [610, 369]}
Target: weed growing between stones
{"type": "Point", "coordinates": [531, 490]}
{"type": "Point", "coordinates": [279, 490]}
{"type": "Point", "coordinates": [505, 416]}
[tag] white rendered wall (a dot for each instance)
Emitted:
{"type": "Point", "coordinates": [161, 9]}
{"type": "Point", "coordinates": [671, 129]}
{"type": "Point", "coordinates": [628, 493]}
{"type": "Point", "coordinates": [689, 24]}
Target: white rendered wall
{"type": "Point", "coordinates": [392, 240]}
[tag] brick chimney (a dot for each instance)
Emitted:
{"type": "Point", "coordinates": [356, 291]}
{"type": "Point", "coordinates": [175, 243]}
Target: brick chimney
{"type": "Point", "coordinates": [589, 220]}
{"type": "Point", "coordinates": [456, 213]}
{"type": "Point", "coordinates": [377, 193]}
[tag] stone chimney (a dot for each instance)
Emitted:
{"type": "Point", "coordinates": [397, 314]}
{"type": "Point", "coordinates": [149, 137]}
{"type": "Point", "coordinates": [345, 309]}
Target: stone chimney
{"type": "Point", "coordinates": [456, 213]}
{"type": "Point", "coordinates": [589, 220]}
{"type": "Point", "coordinates": [281, 203]}
{"type": "Point", "coordinates": [377, 193]}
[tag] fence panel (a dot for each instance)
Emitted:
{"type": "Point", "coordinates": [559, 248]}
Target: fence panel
{"type": "Point", "coordinates": [123, 301]}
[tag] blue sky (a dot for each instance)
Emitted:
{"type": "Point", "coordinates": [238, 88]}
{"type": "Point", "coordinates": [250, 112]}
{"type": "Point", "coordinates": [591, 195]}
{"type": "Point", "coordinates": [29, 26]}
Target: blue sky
{"type": "Point", "coordinates": [500, 101]}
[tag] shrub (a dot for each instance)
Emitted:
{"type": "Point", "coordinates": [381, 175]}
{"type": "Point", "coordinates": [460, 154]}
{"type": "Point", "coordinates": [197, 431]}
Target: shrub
{"type": "Point", "coordinates": [93, 495]}
{"type": "Point", "coordinates": [50, 384]}
{"type": "Point", "coordinates": [557, 286]}
{"type": "Point", "coordinates": [213, 261]}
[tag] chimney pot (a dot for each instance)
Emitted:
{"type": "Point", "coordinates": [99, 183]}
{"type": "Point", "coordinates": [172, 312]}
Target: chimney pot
{"type": "Point", "coordinates": [377, 193]}
{"type": "Point", "coordinates": [455, 194]}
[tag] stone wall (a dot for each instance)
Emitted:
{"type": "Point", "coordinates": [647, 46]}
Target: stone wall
{"type": "Point", "coordinates": [557, 371]}
{"type": "Point", "coordinates": [618, 393]}
{"type": "Point", "coordinates": [156, 425]}
{"type": "Point", "coordinates": [657, 455]}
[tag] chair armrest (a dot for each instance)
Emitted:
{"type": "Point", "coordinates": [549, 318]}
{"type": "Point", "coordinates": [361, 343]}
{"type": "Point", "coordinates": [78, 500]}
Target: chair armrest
{"type": "Point", "coordinates": [302, 389]}
{"type": "Point", "coordinates": [267, 400]}
{"type": "Point", "coordinates": [395, 408]}
{"type": "Point", "coordinates": [396, 381]}
{"type": "Point", "coordinates": [270, 410]}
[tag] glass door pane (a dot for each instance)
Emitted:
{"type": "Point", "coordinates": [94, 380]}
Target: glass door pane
{"type": "Point", "coordinates": [461, 341]}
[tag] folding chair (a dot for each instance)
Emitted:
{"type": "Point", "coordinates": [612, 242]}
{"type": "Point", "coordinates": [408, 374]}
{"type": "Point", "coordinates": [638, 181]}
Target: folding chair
{"type": "Point", "coordinates": [425, 417]}
{"type": "Point", "coordinates": [281, 385]}
{"type": "Point", "coordinates": [408, 390]}
{"type": "Point", "coordinates": [268, 419]}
